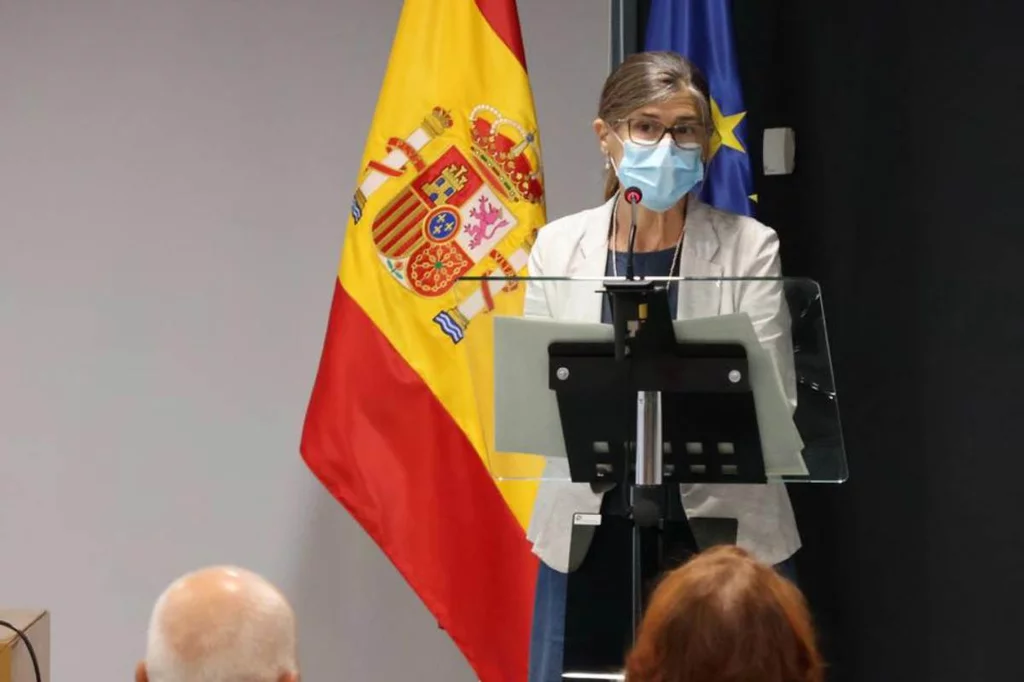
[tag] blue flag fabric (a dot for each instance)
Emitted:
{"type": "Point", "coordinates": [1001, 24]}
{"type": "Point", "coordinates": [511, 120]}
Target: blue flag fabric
{"type": "Point", "coordinates": [701, 30]}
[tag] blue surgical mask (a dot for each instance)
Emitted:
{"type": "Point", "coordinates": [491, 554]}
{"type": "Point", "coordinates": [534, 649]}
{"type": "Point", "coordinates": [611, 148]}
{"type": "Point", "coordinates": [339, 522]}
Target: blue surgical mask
{"type": "Point", "coordinates": [664, 172]}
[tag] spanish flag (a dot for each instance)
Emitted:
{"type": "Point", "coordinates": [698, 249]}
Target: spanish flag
{"type": "Point", "coordinates": [400, 419]}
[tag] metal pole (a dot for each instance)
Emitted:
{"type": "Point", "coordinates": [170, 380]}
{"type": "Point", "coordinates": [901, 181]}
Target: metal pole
{"type": "Point", "coordinates": [649, 453]}
{"type": "Point", "coordinates": [649, 448]}
{"type": "Point", "coordinates": [624, 33]}
{"type": "Point", "coordinates": [638, 582]}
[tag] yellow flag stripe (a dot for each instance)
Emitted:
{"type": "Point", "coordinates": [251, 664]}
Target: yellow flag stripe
{"type": "Point", "coordinates": [434, 98]}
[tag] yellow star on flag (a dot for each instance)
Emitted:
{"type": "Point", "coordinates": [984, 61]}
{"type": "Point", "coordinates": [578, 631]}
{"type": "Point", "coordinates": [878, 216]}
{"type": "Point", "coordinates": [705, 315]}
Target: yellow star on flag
{"type": "Point", "coordinates": [753, 197]}
{"type": "Point", "coordinates": [725, 129]}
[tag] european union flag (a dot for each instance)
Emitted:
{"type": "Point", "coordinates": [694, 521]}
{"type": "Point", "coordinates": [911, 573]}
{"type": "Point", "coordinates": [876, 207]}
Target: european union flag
{"type": "Point", "coordinates": [701, 30]}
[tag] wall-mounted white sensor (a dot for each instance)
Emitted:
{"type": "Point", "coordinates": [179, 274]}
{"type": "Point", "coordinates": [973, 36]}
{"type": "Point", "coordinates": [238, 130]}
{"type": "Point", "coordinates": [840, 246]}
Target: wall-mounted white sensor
{"type": "Point", "coordinates": [779, 151]}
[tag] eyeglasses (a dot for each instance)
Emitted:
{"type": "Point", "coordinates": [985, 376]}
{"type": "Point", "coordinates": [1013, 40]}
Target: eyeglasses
{"type": "Point", "coordinates": [648, 132]}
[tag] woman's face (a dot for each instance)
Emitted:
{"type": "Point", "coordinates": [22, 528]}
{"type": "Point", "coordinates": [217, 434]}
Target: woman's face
{"type": "Point", "coordinates": [679, 117]}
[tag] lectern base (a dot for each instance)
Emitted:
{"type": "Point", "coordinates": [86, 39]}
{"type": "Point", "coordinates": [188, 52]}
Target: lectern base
{"type": "Point", "coordinates": [599, 605]}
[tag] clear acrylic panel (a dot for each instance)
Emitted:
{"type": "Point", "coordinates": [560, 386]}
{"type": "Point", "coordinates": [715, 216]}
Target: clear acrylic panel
{"type": "Point", "coordinates": [787, 316]}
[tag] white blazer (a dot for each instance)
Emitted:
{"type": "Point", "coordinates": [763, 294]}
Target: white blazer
{"type": "Point", "coordinates": [715, 244]}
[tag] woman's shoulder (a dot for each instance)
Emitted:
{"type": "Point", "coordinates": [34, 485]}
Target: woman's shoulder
{"type": "Point", "coordinates": [736, 223]}
{"type": "Point", "coordinates": [568, 231]}
{"type": "Point", "coordinates": [576, 223]}
{"type": "Point", "coordinates": [736, 230]}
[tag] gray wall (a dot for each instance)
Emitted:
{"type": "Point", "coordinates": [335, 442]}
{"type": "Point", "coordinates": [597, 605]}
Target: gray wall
{"type": "Point", "coordinates": [174, 181]}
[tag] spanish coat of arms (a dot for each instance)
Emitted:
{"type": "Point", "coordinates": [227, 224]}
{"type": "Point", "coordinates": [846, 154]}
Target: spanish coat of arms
{"type": "Point", "coordinates": [456, 212]}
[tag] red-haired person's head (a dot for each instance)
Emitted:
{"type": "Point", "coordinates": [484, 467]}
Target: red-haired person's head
{"type": "Point", "coordinates": [724, 617]}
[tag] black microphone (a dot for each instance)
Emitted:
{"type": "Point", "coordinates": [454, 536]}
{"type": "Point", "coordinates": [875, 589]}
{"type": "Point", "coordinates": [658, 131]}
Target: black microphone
{"type": "Point", "coordinates": [632, 195]}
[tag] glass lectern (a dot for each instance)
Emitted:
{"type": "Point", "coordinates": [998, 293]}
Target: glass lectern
{"type": "Point", "coordinates": [633, 396]}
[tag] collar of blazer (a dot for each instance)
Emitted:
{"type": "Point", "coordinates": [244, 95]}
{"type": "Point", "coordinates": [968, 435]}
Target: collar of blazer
{"type": "Point", "coordinates": [701, 246]}
{"type": "Point", "coordinates": [700, 242]}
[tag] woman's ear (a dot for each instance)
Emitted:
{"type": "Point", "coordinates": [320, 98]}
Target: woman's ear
{"type": "Point", "coordinates": [601, 130]}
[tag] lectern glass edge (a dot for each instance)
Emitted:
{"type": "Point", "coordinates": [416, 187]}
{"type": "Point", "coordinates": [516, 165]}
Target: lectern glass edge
{"type": "Point", "coordinates": [817, 413]}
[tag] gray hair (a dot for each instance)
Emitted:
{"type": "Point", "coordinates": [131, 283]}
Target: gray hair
{"type": "Point", "coordinates": [646, 78]}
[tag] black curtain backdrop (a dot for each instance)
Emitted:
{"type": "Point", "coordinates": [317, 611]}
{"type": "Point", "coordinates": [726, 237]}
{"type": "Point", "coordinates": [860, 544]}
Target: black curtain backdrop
{"type": "Point", "coordinates": [905, 205]}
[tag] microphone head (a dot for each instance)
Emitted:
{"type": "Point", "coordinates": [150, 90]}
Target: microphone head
{"type": "Point", "coordinates": [632, 195]}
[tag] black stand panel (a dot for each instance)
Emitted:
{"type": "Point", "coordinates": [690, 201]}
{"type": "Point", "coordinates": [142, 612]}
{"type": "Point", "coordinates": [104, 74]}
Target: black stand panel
{"type": "Point", "coordinates": [709, 434]}
{"type": "Point", "coordinates": [709, 424]}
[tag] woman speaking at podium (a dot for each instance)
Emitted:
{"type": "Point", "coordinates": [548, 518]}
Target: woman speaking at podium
{"type": "Point", "coordinates": [654, 129]}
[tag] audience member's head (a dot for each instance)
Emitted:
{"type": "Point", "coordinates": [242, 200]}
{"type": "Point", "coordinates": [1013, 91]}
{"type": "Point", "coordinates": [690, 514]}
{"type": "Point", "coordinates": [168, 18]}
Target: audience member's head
{"type": "Point", "coordinates": [724, 617]}
{"type": "Point", "coordinates": [220, 624]}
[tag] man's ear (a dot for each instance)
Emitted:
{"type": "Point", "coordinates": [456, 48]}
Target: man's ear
{"type": "Point", "coordinates": [140, 672]}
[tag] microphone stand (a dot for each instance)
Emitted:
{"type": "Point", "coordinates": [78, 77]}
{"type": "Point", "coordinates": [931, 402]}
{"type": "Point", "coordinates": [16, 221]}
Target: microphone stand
{"type": "Point", "coordinates": [635, 331]}
{"type": "Point", "coordinates": [632, 195]}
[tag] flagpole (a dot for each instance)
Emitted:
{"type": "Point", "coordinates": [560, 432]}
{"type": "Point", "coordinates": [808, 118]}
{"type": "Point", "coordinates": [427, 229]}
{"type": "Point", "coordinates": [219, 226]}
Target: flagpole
{"type": "Point", "coordinates": [624, 34]}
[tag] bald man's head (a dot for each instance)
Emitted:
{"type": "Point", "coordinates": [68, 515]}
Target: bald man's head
{"type": "Point", "coordinates": [220, 624]}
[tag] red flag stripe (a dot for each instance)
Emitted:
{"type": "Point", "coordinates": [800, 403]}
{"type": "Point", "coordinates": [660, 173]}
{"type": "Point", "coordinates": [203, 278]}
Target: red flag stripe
{"type": "Point", "coordinates": [467, 559]}
{"type": "Point", "coordinates": [504, 19]}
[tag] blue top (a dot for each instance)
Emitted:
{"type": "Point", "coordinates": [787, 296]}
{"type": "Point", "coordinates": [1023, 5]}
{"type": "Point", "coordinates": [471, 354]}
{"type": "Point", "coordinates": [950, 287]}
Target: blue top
{"type": "Point", "coordinates": [646, 264]}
